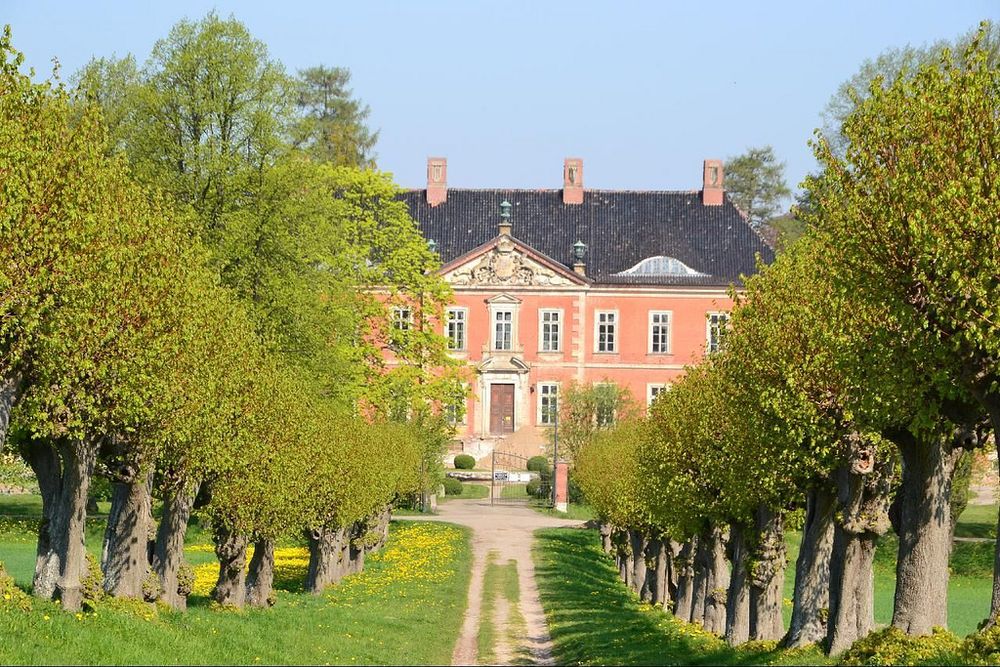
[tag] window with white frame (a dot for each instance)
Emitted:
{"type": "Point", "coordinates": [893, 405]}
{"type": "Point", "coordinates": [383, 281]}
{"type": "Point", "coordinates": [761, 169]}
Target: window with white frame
{"type": "Point", "coordinates": [402, 319]}
{"type": "Point", "coordinates": [606, 337]}
{"type": "Point", "coordinates": [455, 328]}
{"type": "Point", "coordinates": [503, 329]}
{"type": "Point", "coordinates": [548, 403]}
{"type": "Point", "coordinates": [659, 332]}
{"type": "Point", "coordinates": [654, 389]}
{"type": "Point", "coordinates": [551, 330]}
{"type": "Point", "coordinates": [717, 323]}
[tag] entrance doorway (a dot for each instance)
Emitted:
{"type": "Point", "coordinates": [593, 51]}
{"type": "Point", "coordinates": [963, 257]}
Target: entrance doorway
{"type": "Point", "coordinates": [501, 408]}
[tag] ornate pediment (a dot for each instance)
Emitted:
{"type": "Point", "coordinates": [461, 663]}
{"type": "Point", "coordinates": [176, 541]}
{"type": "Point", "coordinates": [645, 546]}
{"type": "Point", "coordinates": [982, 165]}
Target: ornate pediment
{"type": "Point", "coordinates": [505, 265]}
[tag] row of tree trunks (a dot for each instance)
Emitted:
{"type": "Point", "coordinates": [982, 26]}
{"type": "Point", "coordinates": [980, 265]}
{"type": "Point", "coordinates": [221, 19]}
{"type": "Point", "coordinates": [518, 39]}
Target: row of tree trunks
{"type": "Point", "coordinates": [811, 598]}
{"type": "Point", "coordinates": [862, 504]}
{"type": "Point", "coordinates": [327, 557]}
{"type": "Point", "coordinates": [168, 553]}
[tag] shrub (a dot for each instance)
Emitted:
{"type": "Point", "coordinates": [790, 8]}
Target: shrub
{"type": "Point", "coordinates": [10, 595]}
{"type": "Point", "coordinates": [983, 647]}
{"type": "Point", "coordinates": [452, 487]}
{"type": "Point", "coordinates": [464, 462]}
{"type": "Point", "coordinates": [185, 579]}
{"type": "Point", "coordinates": [93, 581]}
{"type": "Point", "coordinates": [893, 647]}
{"type": "Point", "coordinates": [533, 487]}
{"type": "Point", "coordinates": [538, 464]}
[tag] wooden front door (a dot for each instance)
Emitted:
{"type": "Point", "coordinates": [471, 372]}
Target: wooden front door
{"type": "Point", "coordinates": [501, 408]}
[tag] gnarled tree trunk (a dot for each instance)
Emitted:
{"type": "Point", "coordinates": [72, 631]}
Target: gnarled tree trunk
{"type": "Point", "coordinates": [717, 584]}
{"type": "Point", "coordinates": [231, 550]}
{"type": "Point", "coordinates": [658, 571]}
{"type": "Point", "coordinates": [168, 553]}
{"type": "Point", "coordinates": [69, 519]}
{"type": "Point", "coordinates": [811, 599]}
{"type": "Point", "coordinates": [606, 530]}
{"type": "Point", "coordinates": [738, 598]}
{"type": "Point", "coordinates": [767, 579]}
{"type": "Point", "coordinates": [125, 559]}
{"type": "Point", "coordinates": [260, 578]}
{"type": "Point", "coordinates": [328, 557]}
{"type": "Point", "coordinates": [43, 458]}
{"type": "Point", "coordinates": [638, 541]}
{"type": "Point", "coordinates": [863, 503]}
{"type": "Point", "coordinates": [684, 566]}
{"type": "Point", "coordinates": [922, 513]}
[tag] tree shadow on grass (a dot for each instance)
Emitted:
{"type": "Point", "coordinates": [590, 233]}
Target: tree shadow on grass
{"type": "Point", "coordinates": [594, 619]}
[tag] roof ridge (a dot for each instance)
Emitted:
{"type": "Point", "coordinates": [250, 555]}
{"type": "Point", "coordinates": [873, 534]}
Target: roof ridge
{"type": "Point", "coordinates": [668, 192]}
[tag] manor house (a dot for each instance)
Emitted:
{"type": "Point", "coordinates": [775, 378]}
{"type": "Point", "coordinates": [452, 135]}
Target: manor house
{"type": "Point", "coordinates": [561, 285]}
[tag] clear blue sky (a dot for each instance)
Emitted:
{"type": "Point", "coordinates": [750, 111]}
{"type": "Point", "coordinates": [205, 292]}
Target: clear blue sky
{"type": "Point", "coordinates": [642, 91]}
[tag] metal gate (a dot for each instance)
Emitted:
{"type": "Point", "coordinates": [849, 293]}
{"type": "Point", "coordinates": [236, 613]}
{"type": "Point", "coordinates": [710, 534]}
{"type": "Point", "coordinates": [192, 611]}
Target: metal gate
{"type": "Point", "coordinates": [513, 484]}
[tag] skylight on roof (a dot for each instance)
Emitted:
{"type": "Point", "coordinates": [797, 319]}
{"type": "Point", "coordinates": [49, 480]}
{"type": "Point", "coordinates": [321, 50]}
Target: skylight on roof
{"type": "Point", "coordinates": [660, 265]}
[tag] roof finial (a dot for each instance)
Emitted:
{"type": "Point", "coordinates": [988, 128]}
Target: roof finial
{"type": "Point", "coordinates": [505, 225]}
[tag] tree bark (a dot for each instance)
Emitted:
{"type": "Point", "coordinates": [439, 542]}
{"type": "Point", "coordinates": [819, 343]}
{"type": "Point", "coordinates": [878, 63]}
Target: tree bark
{"type": "Point", "coordinates": [260, 578]}
{"type": "Point", "coordinates": [10, 392]}
{"type": "Point", "coordinates": [684, 565]}
{"type": "Point", "coordinates": [327, 558]}
{"type": "Point", "coordinates": [356, 548]}
{"type": "Point", "coordinates": [606, 530]}
{"type": "Point", "coordinates": [738, 598]}
{"type": "Point", "coordinates": [767, 579]}
{"type": "Point", "coordinates": [168, 553]}
{"type": "Point", "coordinates": [863, 503]}
{"type": "Point", "coordinates": [923, 506]}
{"type": "Point", "coordinates": [70, 516]}
{"type": "Point", "coordinates": [811, 599]}
{"type": "Point", "coordinates": [658, 576]}
{"type": "Point", "coordinates": [126, 539]}
{"type": "Point", "coordinates": [231, 550]}
{"type": "Point", "coordinates": [638, 541]}
{"type": "Point", "coordinates": [717, 583]}
{"type": "Point", "coordinates": [42, 457]}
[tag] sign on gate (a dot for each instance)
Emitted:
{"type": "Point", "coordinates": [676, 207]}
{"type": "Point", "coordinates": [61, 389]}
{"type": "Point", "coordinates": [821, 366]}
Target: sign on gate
{"type": "Point", "coordinates": [513, 484]}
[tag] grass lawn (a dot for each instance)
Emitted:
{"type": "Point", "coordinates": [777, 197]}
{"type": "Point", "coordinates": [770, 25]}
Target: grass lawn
{"type": "Point", "coordinates": [595, 619]}
{"type": "Point", "coordinates": [573, 511]}
{"type": "Point", "coordinates": [978, 521]}
{"type": "Point", "coordinates": [470, 492]}
{"type": "Point", "coordinates": [406, 607]}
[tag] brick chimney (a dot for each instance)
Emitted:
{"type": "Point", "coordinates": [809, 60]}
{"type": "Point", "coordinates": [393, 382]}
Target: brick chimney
{"type": "Point", "coordinates": [573, 180]}
{"type": "Point", "coordinates": [711, 189]}
{"type": "Point", "coordinates": [437, 180]}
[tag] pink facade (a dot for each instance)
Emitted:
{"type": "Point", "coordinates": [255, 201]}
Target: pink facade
{"type": "Point", "coordinates": [573, 312]}
{"type": "Point", "coordinates": [553, 287]}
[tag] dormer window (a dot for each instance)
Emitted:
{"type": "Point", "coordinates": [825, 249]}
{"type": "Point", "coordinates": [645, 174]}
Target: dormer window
{"type": "Point", "coordinates": [660, 265]}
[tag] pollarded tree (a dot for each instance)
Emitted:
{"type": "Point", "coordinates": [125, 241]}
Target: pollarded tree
{"type": "Point", "coordinates": [914, 206]}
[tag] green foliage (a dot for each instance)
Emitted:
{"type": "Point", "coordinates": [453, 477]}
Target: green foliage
{"type": "Point", "coordinates": [983, 647]}
{"type": "Point", "coordinates": [12, 597]}
{"type": "Point", "coordinates": [892, 646]}
{"type": "Point", "coordinates": [15, 473]}
{"type": "Point", "coordinates": [538, 464]}
{"type": "Point", "coordinates": [465, 462]}
{"type": "Point", "coordinates": [452, 487]}
{"type": "Point", "coordinates": [93, 580]}
{"type": "Point", "coordinates": [533, 488]}
{"type": "Point", "coordinates": [755, 183]}
{"type": "Point", "coordinates": [331, 124]}
{"type": "Point", "coordinates": [586, 409]}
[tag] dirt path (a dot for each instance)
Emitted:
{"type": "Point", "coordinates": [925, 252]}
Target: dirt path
{"type": "Point", "coordinates": [508, 531]}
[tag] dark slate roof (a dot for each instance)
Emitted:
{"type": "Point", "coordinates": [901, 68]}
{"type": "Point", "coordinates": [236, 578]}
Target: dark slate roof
{"type": "Point", "coordinates": [620, 228]}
